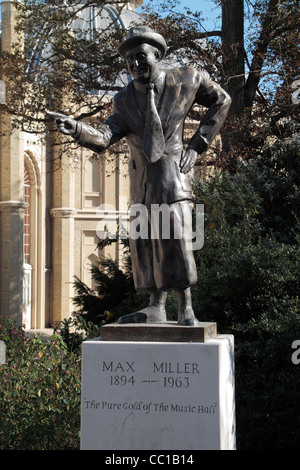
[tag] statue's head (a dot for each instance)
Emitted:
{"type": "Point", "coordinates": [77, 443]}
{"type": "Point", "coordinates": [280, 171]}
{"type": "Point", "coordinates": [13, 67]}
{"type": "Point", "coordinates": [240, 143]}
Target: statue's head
{"type": "Point", "coordinates": [143, 49]}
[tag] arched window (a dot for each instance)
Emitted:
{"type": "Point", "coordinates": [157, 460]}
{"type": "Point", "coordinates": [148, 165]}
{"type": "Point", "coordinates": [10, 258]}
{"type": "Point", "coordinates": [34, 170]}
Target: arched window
{"type": "Point", "coordinates": [27, 216]}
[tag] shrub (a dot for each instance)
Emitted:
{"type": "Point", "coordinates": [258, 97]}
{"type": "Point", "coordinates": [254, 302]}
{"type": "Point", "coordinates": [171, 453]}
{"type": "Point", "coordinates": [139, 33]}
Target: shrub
{"type": "Point", "coordinates": [275, 176]}
{"type": "Point", "coordinates": [267, 381]}
{"type": "Point", "coordinates": [252, 293]}
{"type": "Point", "coordinates": [249, 284]}
{"type": "Point", "coordinates": [40, 393]}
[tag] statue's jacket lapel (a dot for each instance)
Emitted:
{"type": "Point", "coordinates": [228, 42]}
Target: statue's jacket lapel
{"type": "Point", "coordinates": [161, 182]}
{"type": "Point", "coordinates": [169, 102]}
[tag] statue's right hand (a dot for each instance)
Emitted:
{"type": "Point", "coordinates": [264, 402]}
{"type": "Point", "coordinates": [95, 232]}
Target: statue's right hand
{"type": "Point", "coordinates": [65, 124]}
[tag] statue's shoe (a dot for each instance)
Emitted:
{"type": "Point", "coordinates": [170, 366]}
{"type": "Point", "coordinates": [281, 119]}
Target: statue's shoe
{"type": "Point", "coordinates": [187, 317]}
{"type": "Point", "coordinates": [149, 314]}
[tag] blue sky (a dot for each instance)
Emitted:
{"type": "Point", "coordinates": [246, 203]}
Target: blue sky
{"type": "Point", "coordinates": [208, 7]}
{"type": "Point", "coordinates": [210, 12]}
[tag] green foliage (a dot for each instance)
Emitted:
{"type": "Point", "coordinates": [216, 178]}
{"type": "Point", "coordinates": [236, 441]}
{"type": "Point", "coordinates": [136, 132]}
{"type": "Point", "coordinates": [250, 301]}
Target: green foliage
{"type": "Point", "coordinates": [267, 381]}
{"type": "Point", "coordinates": [241, 260]}
{"type": "Point", "coordinates": [114, 295]}
{"type": "Point", "coordinates": [111, 283]}
{"type": "Point", "coordinates": [248, 282]}
{"type": "Point", "coordinates": [39, 394]}
{"type": "Point", "coordinates": [275, 176]}
{"type": "Point", "coordinates": [55, 52]}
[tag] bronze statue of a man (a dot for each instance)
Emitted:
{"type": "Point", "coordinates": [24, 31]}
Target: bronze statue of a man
{"type": "Point", "coordinates": [150, 112]}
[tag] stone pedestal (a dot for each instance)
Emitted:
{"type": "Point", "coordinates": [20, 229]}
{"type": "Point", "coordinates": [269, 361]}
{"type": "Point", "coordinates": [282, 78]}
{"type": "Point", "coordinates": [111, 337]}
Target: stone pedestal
{"type": "Point", "coordinates": [152, 395]}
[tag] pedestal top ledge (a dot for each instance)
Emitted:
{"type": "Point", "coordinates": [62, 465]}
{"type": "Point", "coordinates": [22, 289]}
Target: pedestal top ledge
{"type": "Point", "coordinates": [159, 332]}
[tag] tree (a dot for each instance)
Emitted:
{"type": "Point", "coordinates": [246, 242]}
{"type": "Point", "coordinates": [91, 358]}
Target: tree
{"type": "Point", "coordinates": [59, 66]}
{"type": "Point", "coordinates": [256, 67]}
{"type": "Point", "coordinates": [59, 62]}
{"type": "Point", "coordinates": [255, 98]}
{"type": "Point", "coordinates": [233, 60]}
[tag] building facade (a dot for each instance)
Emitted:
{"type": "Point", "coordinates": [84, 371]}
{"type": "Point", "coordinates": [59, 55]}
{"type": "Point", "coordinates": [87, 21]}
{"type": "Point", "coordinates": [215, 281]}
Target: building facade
{"type": "Point", "coordinates": [50, 221]}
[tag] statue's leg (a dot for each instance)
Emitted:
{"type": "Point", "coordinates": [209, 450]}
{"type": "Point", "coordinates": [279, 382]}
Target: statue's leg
{"type": "Point", "coordinates": [186, 314]}
{"type": "Point", "coordinates": [154, 313]}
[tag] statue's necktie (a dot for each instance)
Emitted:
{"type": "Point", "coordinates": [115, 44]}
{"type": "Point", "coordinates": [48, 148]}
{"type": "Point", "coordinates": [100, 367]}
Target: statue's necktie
{"type": "Point", "coordinates": [153, 143]}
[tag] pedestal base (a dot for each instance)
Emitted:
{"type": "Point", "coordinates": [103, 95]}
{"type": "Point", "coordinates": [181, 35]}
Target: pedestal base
{"type": "Point", "coordinates": [161, 332]}
{"type": "Point", "coordinates": [158, 395]}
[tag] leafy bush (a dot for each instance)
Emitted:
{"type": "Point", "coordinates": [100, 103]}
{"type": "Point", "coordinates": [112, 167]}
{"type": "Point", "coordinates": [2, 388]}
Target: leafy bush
{"type": "Point", "coordinates": [267, 381]}
{"type": "Point", "coordinates": [114, 296]}
{"type": "Point", "coordinates": [39, 394]}
{"type": "Point", "coordinates": [248, 282]}
{"type": "Point", "coordinates": [275, 176]}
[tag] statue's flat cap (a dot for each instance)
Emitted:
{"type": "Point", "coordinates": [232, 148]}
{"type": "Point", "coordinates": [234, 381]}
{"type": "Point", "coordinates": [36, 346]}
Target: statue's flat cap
{"type": "Point", "coordinates": [139, 35]}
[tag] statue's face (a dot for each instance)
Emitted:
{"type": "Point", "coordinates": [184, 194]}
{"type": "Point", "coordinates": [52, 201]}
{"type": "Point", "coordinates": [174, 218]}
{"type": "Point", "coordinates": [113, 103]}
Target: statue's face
{"type": "Point", "coordinates": [143, 63]}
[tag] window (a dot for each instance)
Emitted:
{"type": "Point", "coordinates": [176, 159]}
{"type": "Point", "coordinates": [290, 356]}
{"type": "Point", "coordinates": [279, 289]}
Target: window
{"type": "Point", "coordinates": [2, 92]}
{"type": "Point", "coordinates": [27, 216]}
{"type": "Point", "coordinates": [92, 183]}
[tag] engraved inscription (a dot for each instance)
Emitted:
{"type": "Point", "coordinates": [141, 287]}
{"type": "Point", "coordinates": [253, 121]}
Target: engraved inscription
{"type": "Point", "coordinates": [160, 375]}
{"type": "Point", "coordinates": [165, 372]}
{"type": "Point", "coordinates": [118, 367]}
{"type": "Point", "coordinates": [177, 368]}
{"type": "Point", "coordinates": [152, 407]}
